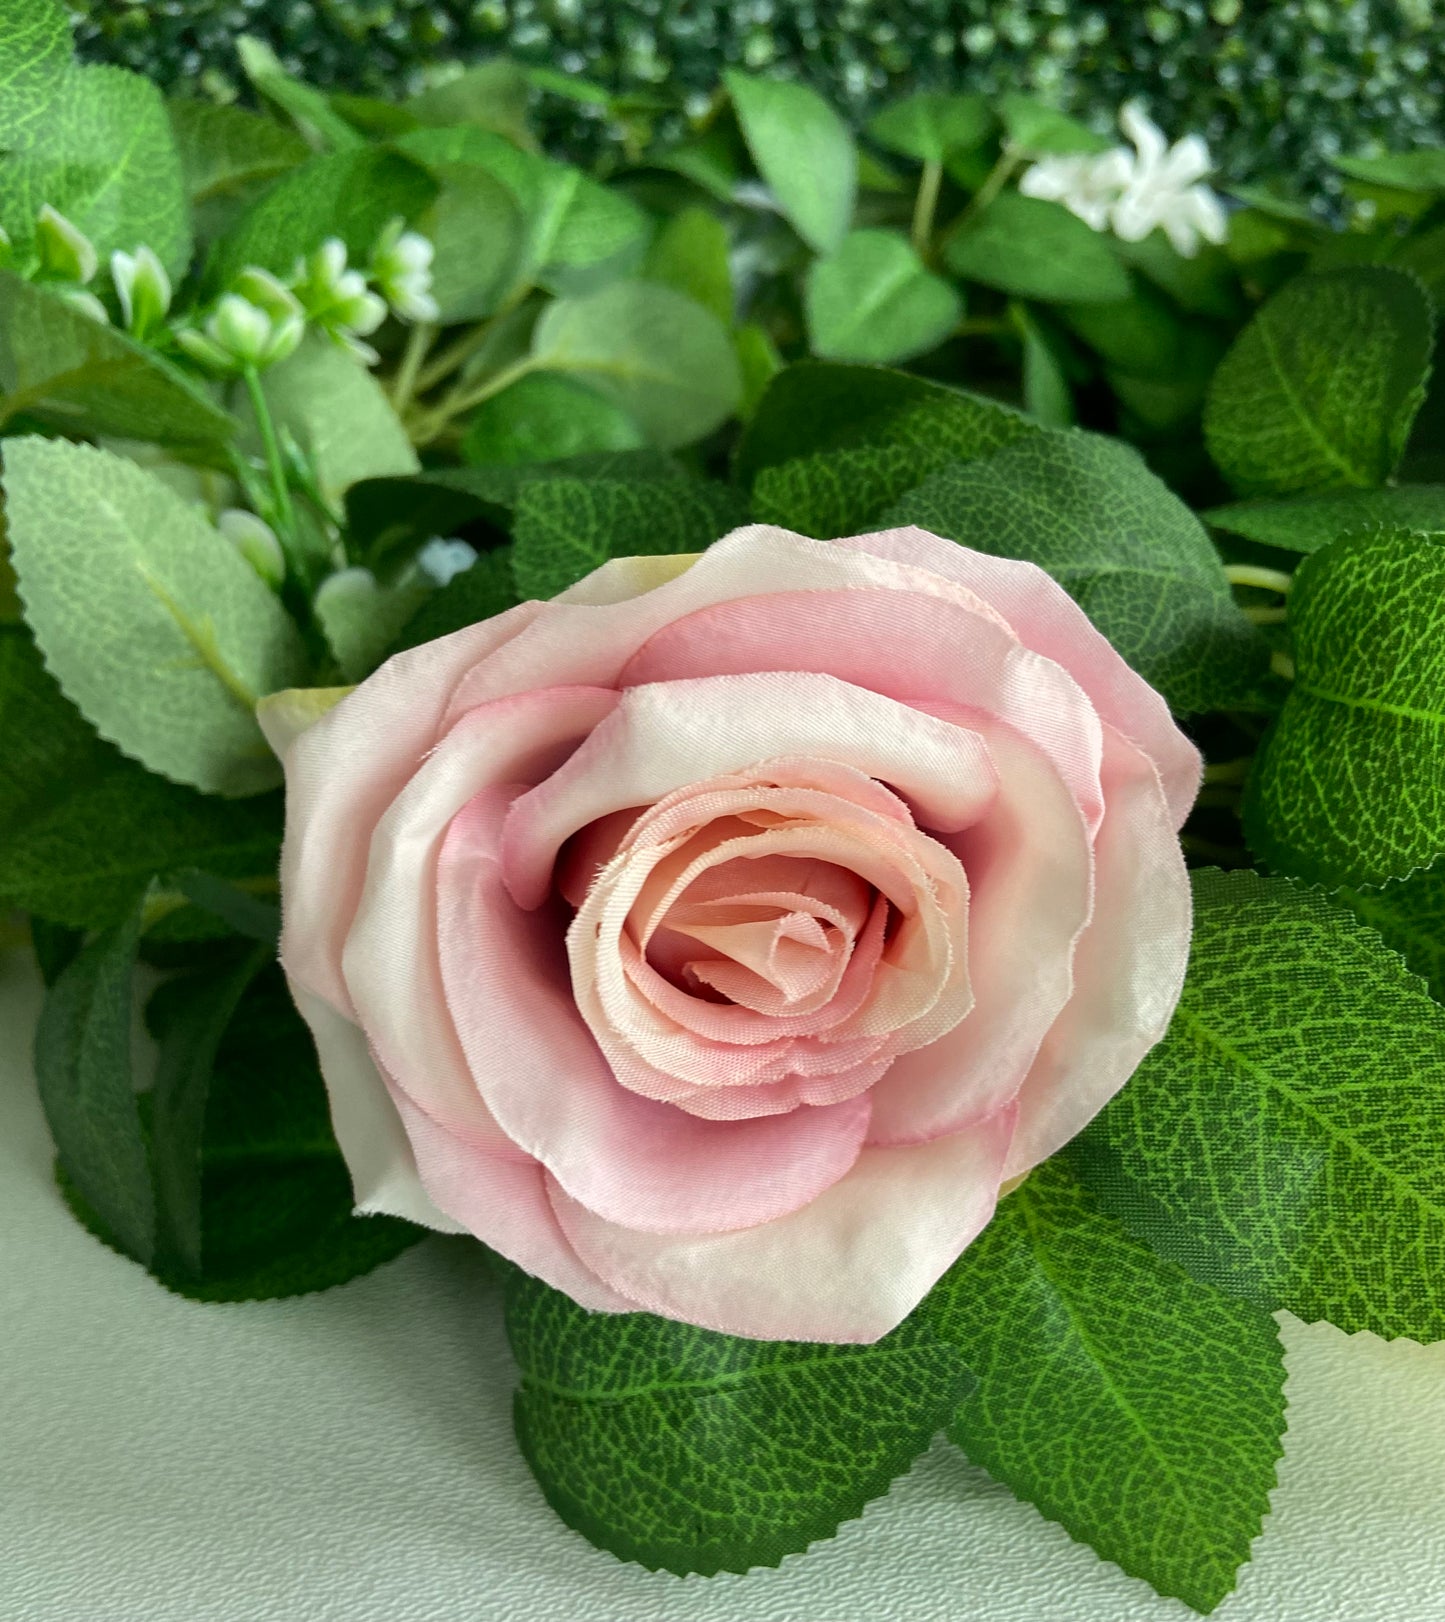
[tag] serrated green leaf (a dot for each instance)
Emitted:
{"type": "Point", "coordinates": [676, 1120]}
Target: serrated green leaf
{"type": "Point", "coordinates": [657, 355]}
{"type": "Point", "coordinates": [632, 1425]}
{"type": "Point", "coordinates": [1036, 249]}
{"type": "Point", "coordinates": [158, 631]}
{"type": "Point", "coordinates": [226, 148]}
{"type": "Point", "coordinates": [804, 152]}
{"type": "Point", "coordinates": [1306, 523]}
{"type": "Point", "coordinates": [477, 593]}
{"type": "Point", "coordinates": [815, 406]}
{"type": "Point", "coordinates": [1409, 915]}
{"type": "Point", "coordinates": [83, 829]}
{"type": "Point", "coordinates": [1128, 551]}
{"type": "Point", "coordinates": [34, 59]}
{"type": "Point", "coordinates": [1283, 1141]}
{"type": "Point", "coordinates": [843, 492]}
{"type": "Point", "coordinates": [350, 195]}
{"type": "Point", "coordinates": [1136, 1407]}
{"type": "Point", "coordinates": [339, 415]}
{"type": "Point", "coordinates": [1348, 787]}
{"type": "Point", "coordinates": [932, 123]}
{"type": "Point", "coordinates": [1320, 389]}
{"type": "Point", "coordinates": [105, 157]}
{"type": "Point", "coordinates": [566, 528]}
{"type": "Point", "coordinates": [690, 254]}
{"type": "Point", "coordinates": [65, 369]}
{"type": "Point", "coordinates": [544, 417]}
{"type": "Point", "coordinates": [83, 1070]}
{"type": "Point", "coordinates": [873, 300]}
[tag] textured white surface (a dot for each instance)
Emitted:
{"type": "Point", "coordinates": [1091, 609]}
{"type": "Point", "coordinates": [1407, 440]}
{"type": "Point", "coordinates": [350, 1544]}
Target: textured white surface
{"type": "Point", "coordinates": [348, 1458]}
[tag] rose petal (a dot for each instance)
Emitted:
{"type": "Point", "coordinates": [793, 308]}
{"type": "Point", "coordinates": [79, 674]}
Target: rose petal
{"type": "Point", "coordinates": [850, 1266]}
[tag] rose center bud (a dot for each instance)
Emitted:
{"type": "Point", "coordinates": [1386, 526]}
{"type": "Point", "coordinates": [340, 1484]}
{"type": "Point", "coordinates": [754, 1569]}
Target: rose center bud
{"type": "Point", "coordinates": [765, 940]}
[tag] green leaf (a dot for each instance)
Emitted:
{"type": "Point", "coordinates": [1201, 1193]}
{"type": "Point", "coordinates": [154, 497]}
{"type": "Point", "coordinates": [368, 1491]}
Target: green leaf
{"type": "Point", "coordinates": [478, 593]}
{"type": "Point", "coordinates": [1349, 784]}
{"type": "Point", "coordinates": [361, 617]}
{"type": "Point", "coordinates": [815, 406]}
{"type": "Point", "coordinates": [83, 829]}
{"type": "Point", "coordinates": [1203, 284]}
{"type": "Point", "coordinates": [690, 254]}
{"type": "Point", "coordinates": [872, 299]}
{"type": "Point", "coordinates": [632, 1425]}
{"type": "Point", "coordinates": [1283, 1141]}
{"type": "Point", "coordinates": [1127, 550]}
{"type": "Point", "coordinates": [804, 152]}
{"type": "Point", "coordinates": [1037, 128]}
{"type": "Point", "coordinates": [1422, 170]}
{"type": "Point", "coordinates": [1139, 1409]}
{"type": "Point", "coordinates": [62, 368]}
{"type": "Point", "coordinates": [1036, 249]}
{"type": "Point", "coordinates": [760, 363]}
{"type": "Point", "coordinates": [479, 237]}
{"type": "Point", "coordinates": [105, 157]}
{"type": "Point", "coordinates": [224, 149]}
{"type": "Point", "coordinates": [307, 106]}
{"type": "Point", "coordinates": [158, 631]}
{"type": "Point", "coordinates": [34, 59]}
{"type": "Point", "coordinates": [1409, 915]}
{"type": "Point", "coordinates": [1141, 334]}
{"type": "Point", "coordinates": [339, 416]}
{"type": "Point", "coordinates": [350, 195]}
{"type": "Point", "coordinates": [83, 1069]}
{"type": "Point", "coordinates": [1306, 523]}
{"type": "Point", "coordinates": [932, 123]}
{"type": "Point", "coordinates": [543, 417]}
{"type": "Point", "coordinates": [185, 1061]}
{"type": "Point", "coordinates": [566, 528]}
{"type": "Point", "coordinates": [657, 355]}
{"type": "Point", "coordinates": [1320, 389]}
{"type": "Point", "coordinates": [1047, 394]}
{"type": "Point", "coordinates": [843, 492]}
{"type": "Point", "coordinates": [579, 232]}
{"type": "Point", "coordinates": [492, 96]}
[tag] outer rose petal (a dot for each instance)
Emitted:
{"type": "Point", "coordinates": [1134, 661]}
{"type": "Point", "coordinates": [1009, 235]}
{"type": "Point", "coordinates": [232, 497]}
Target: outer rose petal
{"type": "Point", "coordinates": [1128, 967]}
{"type": "Point", "coordinates": [848, 1267]}
{"type": "Point", "coordinates": [1048, 620]}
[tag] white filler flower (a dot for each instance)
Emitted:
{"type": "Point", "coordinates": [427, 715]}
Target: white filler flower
{"type": "Point", "coordinates": [1156, 186]}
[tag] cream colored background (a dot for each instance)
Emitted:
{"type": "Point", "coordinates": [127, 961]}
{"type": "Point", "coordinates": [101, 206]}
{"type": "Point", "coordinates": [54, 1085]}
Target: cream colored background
{"type": "Point", "coordinates": [348, 1458]}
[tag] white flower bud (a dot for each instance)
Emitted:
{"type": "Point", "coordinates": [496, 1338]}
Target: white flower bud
{"type": "Point", "coordinates": [337, 300]}
{"type": "Point", "coordinates": [143, 288]}
{"type": "Point", "coordinates": [240, 328]}
{"type": "Point", "coordinates": [85, 302]}
{"type": "Point", "coordinates": [401, 268]}
{"type": "Point", "coordinates": [256, 541]}
{"type": "Point", "coordinates": [66, 253]}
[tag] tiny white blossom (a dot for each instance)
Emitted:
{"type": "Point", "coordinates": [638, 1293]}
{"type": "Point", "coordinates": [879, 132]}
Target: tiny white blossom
{"type": "Point", "coordinates": [401, 267]}
{"type": "Point", "coordinates": [143, 288]}
{"type": "Point", "coordinates": [337, 300]}
{"type": "Point", "coordinates": [1156, 186]}
{"type": "Point", "coordinates": [443, 560]}
{"type": "Point", "coordinates": [66, 253]}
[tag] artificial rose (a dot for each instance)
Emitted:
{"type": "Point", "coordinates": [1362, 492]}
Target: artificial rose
{"type": "Point", "coordinates": [717, 938]}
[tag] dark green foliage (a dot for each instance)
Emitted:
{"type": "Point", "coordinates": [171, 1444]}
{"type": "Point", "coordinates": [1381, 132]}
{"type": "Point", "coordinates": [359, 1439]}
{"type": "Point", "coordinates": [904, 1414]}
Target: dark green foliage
{"type": "Point", "coordinates": [1275, 88]}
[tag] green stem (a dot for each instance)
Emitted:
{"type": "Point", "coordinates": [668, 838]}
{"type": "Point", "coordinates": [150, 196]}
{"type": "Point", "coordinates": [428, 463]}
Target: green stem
{"type": "Point", "coordinates": [1250, 574]}
{"type": "Point", "coordinates": [462, 400]}
{"type": "Point", "coordinates": [925, 205]}
{"type": "Point", "coordinates": [994, 182]}
{"type": "Point", "coordinates": [1265, 616]}
{"type": "Point", "coordinates": [418, 343]}
{"type": "Point", "coordinates": [275, 467]}
{"type": "Point", "coordinates": [1228, 771]}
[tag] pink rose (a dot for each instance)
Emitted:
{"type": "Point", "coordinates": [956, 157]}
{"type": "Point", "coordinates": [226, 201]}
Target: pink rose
{"type": "Point", "coordinates": [717, 938]}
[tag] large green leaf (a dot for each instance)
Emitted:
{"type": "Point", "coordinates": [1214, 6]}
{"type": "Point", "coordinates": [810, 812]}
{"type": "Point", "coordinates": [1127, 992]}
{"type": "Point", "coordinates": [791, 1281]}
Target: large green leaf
{"type": "Point", "coordinates": [226, 148]}
{"type": "Point", "coordinates": [873, 299]}
{"type": "Point", "coordinates": [655, 353]}
{"type": "Point", "coordinates": [63, 368]}
{"type": "Point", "coordinates": [1128, 551]}
{"type": "Point", "coordinates": [479, 235]}
{"type": "Point", "coordinates": [34, 59]}
{"type": "Point", "coordinates": [1349, 784]}
{"type": "Point", "coordinates": [814, 406]}
{"type": "Point", "coordinates": [691, 1451]}
{"type": "Point", "coordinates": [156, 628]}
{"type": "Point", "coordinates": [82, 828]}
{"type": "Point", "coordinates": [1138, 1408]}
{"type": "Point", "coordinates": [83, 1070]}
{"type": "Point", "coordinates": [1306, 523]}
{"type": "Point", "coordinates": [690, 253]}
{"type": "Point", "coordinates": [350, 195]}
{"type": "Point", "coordinates": [1320, 389]}
{"type": "Point", "coordinates": [843, 492]}
{"type": "Point", "coordinates": [1283, 1141]}
{"type": "Point", "coordinates": [804, 152]}
{"type": "Point", "coordinates": [1410, 915]}
{"type": "Point", "coordinates": [566, 528]}
{"type": "Point", "coordinates": [1036, 249]}
{"type": "Point", "coordinates": [544, 417]}
{"type": "Point", "coordinates": [105, 157]}
{"type": "Point", "coordinates": [932, 123]}
{"type": "Point", "coordinates": [339, 415]}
